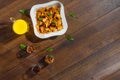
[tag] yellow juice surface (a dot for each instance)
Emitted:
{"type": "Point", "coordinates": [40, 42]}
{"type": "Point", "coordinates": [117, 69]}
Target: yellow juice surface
{"type": "Point", "coordinates": [20, 26]}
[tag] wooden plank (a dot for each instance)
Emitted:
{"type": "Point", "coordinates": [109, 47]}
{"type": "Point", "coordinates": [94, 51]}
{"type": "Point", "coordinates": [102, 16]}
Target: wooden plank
{"type": "Point", "coordinates": [113, 76]}
{"type": "Point", "coordinates": [88, 13]}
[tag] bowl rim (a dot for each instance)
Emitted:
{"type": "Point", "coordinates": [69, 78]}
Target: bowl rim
{"type": "Point", "coordinates": [34, 22]}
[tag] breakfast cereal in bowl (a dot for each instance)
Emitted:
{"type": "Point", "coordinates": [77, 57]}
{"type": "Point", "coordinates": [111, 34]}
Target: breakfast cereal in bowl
{"type": "Point", "coordinates": [48, 19]}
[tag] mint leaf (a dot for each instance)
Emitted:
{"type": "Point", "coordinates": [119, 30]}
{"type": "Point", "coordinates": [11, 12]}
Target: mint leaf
{"type": "Point", "coordinates": [49, 49]}
{"type": "Point", "coordinates": [70, 38]}
{"type": "Point", "coordinates": [72, 14]}
{"type": "Point", "coordinates": [23, 47]}
{"type": "Point", "coordinates": [22, 11]}
{"type": "Point", "coordinates": [50, 56]}
{"type": "Point", "coordinates": [49, 14]}
{"type": "Point", "coordinates": [53, 21]}
{"type": "Point", "coordinates": [40, 19]}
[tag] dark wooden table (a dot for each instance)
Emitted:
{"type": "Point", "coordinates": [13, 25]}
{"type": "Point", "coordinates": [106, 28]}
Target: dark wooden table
{"type": "Point", "coordinates": [93, 55]}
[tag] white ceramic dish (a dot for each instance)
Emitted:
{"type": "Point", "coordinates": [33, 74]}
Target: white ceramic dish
{"type": "Point", "coordinates": [33, 17]}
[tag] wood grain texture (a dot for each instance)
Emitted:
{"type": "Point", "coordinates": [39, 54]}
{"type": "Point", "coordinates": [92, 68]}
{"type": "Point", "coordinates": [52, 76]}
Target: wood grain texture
{"type": "Point", "coordinates": [93, 55]}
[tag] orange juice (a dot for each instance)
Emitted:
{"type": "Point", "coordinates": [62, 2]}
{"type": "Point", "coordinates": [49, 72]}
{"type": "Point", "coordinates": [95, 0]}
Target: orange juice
{"type": "Point", "coordinates": [20, 26]}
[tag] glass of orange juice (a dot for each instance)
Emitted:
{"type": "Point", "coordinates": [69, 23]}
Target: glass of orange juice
{"type": "Point", "coordinates": [20, 26]}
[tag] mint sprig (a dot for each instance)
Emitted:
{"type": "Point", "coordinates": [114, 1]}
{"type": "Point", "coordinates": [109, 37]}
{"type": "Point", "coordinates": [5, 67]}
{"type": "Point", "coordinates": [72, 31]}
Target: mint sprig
{"type": "Point", "coordinates": [49, 14]}
{"type": "Point", "coordinates": [50, 56]}
{"type": "Point", "coordinates": [71, 14]}
{"type": "Point", "coordinates": [22, 11]}
{"type": "Point", "coordinates": [70, 38]}
{"type": "Point", "coordinates": [53, 21]}
{"type": "Point", "coordinates": [40, 19]}
{"type": "Point", "coordinates": [49, 49]}
{"type": "Point", "coordinates": [23, 47]}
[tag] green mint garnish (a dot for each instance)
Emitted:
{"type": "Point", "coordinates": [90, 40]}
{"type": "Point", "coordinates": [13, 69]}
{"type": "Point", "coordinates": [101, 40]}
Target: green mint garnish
{"type": "Point", "coordinates": [22, 11]}
{"type": "Point", "coordinates": [49, 14]}
{"type": "Point", "coordinates": [23, 47]}
{"type": "Point", "coordinates": [53, 21]}
{"type": "Point", "coordinates": [50, 56]}
{"type": "Point", "coordinates": [40, 19]}
{"type": "Point", "coordinates": [70, 38]}
{"type": "Point", "coordinates": [49, 49]}
{"type": "Point", "coordinates": [72, 14]}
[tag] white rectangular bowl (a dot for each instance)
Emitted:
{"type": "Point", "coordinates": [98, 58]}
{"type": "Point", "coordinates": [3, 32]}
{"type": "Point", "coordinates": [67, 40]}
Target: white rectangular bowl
{"type": "Point", "coordinates": [33, 17]}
